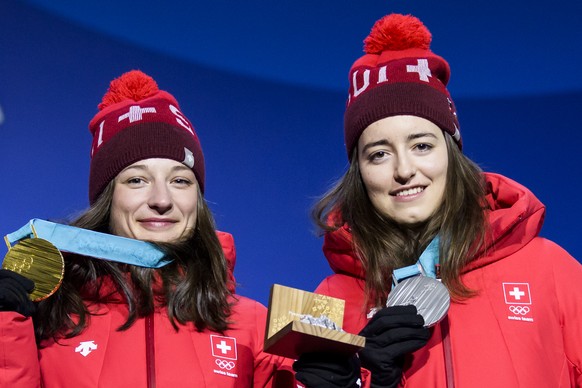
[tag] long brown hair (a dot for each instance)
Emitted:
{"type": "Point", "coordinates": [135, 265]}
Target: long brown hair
{"type": "Point", "coordinates": [193, 288]}
{"type": "Point", "coordinates": [382, 245]}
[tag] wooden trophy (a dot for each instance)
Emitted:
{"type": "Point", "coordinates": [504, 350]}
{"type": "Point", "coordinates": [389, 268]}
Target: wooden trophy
{"type": "Point", "coordinates": [301, 322]}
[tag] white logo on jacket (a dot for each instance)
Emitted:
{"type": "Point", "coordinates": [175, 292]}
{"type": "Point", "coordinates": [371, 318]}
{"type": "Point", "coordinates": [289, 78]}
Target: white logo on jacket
{"type": "Point", "coordinates": [225, 352]}
{"type": "Point", "coordinates": [518, 297]}
{"type": "Point", "coordinates": [86, 347]}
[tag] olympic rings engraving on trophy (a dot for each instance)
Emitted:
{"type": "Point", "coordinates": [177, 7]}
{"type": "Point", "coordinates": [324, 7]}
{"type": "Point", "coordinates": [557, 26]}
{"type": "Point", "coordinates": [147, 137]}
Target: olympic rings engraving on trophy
{"type": "Point", "coordinates": [521, 310]}
{"type": "Point", "coordinates": [228, 365]}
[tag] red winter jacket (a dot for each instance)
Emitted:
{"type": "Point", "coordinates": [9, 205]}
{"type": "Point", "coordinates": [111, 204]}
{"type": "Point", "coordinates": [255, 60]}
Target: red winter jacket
{"type": "Point", "coordinates": [523, 329]}
{"type": "Point", "coordinates": [101, 356]}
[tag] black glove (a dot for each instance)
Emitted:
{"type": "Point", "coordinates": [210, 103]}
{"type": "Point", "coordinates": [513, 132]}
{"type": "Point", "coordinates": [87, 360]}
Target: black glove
{"type": "Point", "coordinates": [322, 370]}
{"type": "Point", "coordinates": [14, 290]}
{"type": "Point", "coordinates": [392, 333]}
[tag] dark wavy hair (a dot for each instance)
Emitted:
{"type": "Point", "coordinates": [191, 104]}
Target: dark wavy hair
{"type": "Point", "coordinates": [382, 245]}
{"type": "Point", "coordinates": [193, 288]}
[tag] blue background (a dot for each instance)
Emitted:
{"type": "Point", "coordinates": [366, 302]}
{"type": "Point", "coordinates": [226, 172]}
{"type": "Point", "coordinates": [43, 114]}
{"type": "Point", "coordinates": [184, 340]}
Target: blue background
{"type": "Point", "coordinates": [265, 85]}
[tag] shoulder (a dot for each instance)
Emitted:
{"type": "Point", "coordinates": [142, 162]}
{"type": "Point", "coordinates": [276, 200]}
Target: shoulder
{"type": "Point", "coordinates": [563, 269]}
{"type": "Point", "coordinates": [543, 253]}
{"type": "Point", "coordinates": [247, 314]}
{"type": "Point", "coordinates": [244, 304]}
{"type": "Point", "coordinates": [547, 269]}
{"type": "Point", "coordinates": [340, 285]}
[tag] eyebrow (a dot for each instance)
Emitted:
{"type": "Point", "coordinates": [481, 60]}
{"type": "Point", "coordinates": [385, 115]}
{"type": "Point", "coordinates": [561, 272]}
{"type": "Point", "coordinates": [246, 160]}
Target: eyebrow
{"type": "Point", "coordinates": [145, 167]}
{"type": "Point", "coordinates": [412, 136]}
{"type": "Point", "coordinates": [374, 144]}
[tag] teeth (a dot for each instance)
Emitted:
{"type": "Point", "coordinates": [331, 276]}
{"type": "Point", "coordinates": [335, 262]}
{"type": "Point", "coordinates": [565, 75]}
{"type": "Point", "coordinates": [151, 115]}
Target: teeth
{"type": "Point", "coordinates": [413, 191]}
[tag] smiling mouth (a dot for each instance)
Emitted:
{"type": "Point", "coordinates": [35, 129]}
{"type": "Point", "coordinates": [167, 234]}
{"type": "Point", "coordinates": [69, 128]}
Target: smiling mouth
{"type": "Point", "coordinates": [408, 192]}
{"type": "Point", "coordinates": [157, 223]}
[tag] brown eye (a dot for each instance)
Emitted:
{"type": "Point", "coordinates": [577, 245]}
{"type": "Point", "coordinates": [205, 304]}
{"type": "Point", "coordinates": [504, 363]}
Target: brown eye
{"type": "Point", "coordinates": [423, 147]}
{"type": "Point", "coordinates": [378, 155]}
{"type": "Point", "coordinates": [182, 181]}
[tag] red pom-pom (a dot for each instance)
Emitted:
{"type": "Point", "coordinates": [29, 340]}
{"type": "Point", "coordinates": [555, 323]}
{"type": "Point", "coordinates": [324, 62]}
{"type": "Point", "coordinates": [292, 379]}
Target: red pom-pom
{"type": "Point", "coordinates": [397, 32]}
{"type": "Point", "coordinates": [133, 85]}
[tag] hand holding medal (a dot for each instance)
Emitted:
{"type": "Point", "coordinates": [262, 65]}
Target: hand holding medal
{"type": "Point", "coordinates": [38, 260]}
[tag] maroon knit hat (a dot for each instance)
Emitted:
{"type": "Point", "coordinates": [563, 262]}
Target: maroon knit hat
{"type": "Point", "coordinates": [398, 75]}
{"type": "Point", "coordinates": [138, 121]}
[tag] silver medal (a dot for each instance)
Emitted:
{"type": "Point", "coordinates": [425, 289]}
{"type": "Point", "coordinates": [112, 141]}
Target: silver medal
{"type": "Point", "coordinates": [430, 296]}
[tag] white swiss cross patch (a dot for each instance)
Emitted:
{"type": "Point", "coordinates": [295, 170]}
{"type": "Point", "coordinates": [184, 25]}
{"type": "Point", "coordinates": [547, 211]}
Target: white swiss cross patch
{"type": "Point", "coordinates": [421, 68]}
{"type": "Point", "coordinates": [135, 113]}
{"type": "Point", "coordinates": [517, 293]}
{"type": "Point", "coordinates": [223, 347]}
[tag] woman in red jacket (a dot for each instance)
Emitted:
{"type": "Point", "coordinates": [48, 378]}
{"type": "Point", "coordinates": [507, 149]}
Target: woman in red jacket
{"type": "Point", "coordinates": [115, 324]}
{"type": "Point", "coordinates": [411, 206]}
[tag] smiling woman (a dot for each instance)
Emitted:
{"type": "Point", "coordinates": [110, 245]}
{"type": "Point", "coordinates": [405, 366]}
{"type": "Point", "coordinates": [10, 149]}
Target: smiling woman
{"type": "Point", "coordinates": [403, 163]}
{"type": "Point", "coordinates": [121, 325]}
{"type": "Point", "coordinates": [413, 209]}
{"type": "Point", "coordinates": [156, 200]}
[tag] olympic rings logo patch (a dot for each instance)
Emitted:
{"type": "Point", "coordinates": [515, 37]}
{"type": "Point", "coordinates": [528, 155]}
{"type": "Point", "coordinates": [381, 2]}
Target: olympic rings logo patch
{"type": "Point", "coordinates": [521, 310]}
{"type": "Point", "coordinates": [223, 364]}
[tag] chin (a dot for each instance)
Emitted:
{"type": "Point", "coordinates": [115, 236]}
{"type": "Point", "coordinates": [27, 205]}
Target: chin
{"type": "Point", "coordinates": [414, 221]}
{"type": "Point", "coordinates": [157, 237]}
{"type": "Point", "coordinates": [164, 236]}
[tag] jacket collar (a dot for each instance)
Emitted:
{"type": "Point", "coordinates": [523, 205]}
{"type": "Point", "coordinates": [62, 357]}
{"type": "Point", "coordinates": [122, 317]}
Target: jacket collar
{"type": "Point", "coordinates": [515, 218]}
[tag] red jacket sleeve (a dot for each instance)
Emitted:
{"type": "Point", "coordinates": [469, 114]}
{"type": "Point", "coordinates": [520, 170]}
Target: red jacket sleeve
{"type": "Point", "coordinates": [270, 371]}
{"type": "Point", "coordinates": [567, 274]}
{"type": "Point", "coordinates": [19, 366]}
{"type": "Point", "coordinates": [351, 291]}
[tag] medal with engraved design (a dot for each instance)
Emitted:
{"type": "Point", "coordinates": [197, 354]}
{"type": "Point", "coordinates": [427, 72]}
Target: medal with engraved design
{"type": "Point", "coordinates": [430, 296]}
{"type": "Point", "coordinates": [38, 260]}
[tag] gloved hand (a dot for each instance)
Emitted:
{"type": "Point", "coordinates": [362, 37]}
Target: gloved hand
{"type": "Point", "coordinates": [324, 370]}
{"type": "Point", "coordinates": [392, 333]}
{"type": "Point", "coordinates": [14, 290]}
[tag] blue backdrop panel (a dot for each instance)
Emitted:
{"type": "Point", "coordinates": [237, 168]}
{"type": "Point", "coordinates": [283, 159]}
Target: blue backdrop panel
{"type": "Point", "coordinates": [271, 147]}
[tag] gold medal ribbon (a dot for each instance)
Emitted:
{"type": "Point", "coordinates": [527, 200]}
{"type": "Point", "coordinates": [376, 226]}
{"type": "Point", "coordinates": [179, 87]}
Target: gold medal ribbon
{"type": "Point", "coordinates": [35, 252]}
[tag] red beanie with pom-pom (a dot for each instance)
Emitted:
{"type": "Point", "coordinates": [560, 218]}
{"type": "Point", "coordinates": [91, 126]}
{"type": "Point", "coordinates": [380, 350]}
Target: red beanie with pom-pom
{"type": "Point", "coordinates": [398, 75]}
{"type": "Point", "coordinates": [138, 121]}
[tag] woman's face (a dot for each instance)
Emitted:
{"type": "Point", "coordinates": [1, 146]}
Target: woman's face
{"type": "Point", "coordinates": [154, 199]}
{"type": "Point", "coordinates": [403, 162]}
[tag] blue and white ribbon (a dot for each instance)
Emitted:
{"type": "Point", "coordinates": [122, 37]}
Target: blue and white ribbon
{"type": "Point", "coordinates": [90, 243]}
{"type": "Point", "coordinates": [426, 264]}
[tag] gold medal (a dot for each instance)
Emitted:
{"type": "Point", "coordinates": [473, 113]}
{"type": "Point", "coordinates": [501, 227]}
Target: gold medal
{"type": "Point", "coordinates": [38, 260]}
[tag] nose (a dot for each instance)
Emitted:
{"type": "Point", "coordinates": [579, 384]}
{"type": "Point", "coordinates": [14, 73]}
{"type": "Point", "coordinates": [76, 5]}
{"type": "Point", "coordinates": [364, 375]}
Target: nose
{"type": "Point", "coordinates": [160, 198]}
{"type": "Point", "coordinates": [404, 168]}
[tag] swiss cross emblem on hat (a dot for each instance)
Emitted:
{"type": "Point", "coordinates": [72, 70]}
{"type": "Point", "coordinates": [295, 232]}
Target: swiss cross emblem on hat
{"type": "Point", "coordinates": [517, 293]}
{"type": "Point", "coordinates": [223, 347]}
